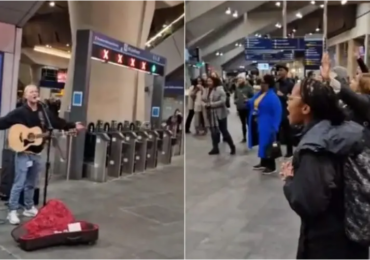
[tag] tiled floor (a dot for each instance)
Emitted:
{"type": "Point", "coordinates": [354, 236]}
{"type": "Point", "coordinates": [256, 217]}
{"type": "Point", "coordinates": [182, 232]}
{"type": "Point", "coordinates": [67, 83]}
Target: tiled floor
{"type": "Point", "coordinates": [139, 217]}
{"type": "Point", "coordinates": [232, 211]}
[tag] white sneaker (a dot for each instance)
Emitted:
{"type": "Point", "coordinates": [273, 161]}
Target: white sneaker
{"type": "Point", "coordinates": [30, 212]}
{"type": "Point", "coordinates": [13, 217]}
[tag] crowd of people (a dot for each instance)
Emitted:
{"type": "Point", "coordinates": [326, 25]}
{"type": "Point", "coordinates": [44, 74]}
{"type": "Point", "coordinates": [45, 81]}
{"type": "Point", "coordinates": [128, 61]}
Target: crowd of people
{"type": "Point", "coordinates": [326, 117]}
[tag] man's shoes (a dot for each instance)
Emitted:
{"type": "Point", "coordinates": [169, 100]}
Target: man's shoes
{"type": "Point", "coordinates": [243, 141]}
{"type": "Point", "coordinates": [187, 132]}
{"type": "Point", "coordinates": [32, 212]}
{"type": "Point", "coordinates": [13, 217]}
{"type": "Point", "coordinates": [233, 150]}
{"type": "Point", "coordinates": [258, 167]}
{"type": "Point", "coordinates": [214, 152]}
{"type": "Point", "coordinates": [267, 171]}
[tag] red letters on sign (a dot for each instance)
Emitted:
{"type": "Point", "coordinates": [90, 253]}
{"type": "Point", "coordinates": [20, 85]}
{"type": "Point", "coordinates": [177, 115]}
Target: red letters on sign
{"type": "Point", "coordinates": [143, 65]}
{"type": "Point", "coordinates": [105, 54]}
{"type": "Point", "coordinates": [120, 58]}
{"type": "Point", "coordinates": [132, 62]}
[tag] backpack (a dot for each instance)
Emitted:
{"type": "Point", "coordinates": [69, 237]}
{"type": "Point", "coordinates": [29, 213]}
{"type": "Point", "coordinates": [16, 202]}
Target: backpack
{"type": "Point", "coordinates": [357, 195]}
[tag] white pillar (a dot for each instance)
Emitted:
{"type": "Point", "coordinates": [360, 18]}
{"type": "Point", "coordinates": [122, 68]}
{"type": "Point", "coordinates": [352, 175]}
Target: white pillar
{"type": "Point", "coordinates": [114, 91]}
{"type": "Point", "coordinates": [10, 48]}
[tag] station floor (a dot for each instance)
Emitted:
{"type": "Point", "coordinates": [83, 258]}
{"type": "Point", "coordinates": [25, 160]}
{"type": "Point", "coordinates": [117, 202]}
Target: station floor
{"type": "Point", "coordinates": [233, 212]}
{"type": "Point", "coordinates": [140, 217]}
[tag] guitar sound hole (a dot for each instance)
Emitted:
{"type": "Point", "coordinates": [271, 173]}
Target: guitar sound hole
{"type": "Point", "coordinates": [31, 137]}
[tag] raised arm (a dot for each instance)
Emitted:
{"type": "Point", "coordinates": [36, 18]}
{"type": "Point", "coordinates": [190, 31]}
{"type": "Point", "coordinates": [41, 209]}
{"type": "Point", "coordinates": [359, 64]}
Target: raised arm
{"type": "Point", "coordinates": [10, 119]}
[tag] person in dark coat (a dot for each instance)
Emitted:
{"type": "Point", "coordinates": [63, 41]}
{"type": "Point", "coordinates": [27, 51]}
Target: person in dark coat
{"type": "Point", "coordinates": [314, 185]}
{"type": "Point", "coordinates": [265, 110]}
{"type": "Point", "coordinates": [284, 86]}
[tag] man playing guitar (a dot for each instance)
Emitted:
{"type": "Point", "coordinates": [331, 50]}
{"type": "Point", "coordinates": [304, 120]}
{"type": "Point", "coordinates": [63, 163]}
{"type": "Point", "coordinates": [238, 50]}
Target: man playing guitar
{"type": "Point", "coordinates": [28, 164]}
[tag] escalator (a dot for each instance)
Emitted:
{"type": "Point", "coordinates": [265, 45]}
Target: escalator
{"type": "Point", "coordinates": [172, 48]}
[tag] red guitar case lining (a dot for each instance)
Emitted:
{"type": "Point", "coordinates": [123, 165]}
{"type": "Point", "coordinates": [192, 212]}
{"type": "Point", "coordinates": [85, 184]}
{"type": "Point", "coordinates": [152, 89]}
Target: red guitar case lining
{"type": "Point", "coordinates": [50, 228]}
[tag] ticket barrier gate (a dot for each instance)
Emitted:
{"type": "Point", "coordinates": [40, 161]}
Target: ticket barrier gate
{"type": "Point", "coordinates": [165, 146]}
{"type": "Point", "coordinates": [128, 152]}
{"type": "Point", "coordinates": [152, 149]}
{"type": "Point", "coordinates": [117, 142]}
{"type": "Point", "coordinates": [95, 154]}
{"type": "Point", "coordinates": [140, 146]}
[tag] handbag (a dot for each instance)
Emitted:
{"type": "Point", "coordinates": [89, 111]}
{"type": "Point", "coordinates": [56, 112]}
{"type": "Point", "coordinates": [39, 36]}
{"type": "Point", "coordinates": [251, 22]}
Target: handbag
{"type": "Point", "coordinates": [273, 151]}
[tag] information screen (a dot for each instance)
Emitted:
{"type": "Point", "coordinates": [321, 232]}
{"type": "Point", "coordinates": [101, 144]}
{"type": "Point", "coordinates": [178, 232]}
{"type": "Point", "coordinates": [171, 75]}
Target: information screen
{"type": "Point", "coordinates": [129, 61]}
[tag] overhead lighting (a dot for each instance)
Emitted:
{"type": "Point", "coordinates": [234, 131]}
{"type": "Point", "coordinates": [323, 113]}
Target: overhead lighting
{"type": "Point", "coordinates": [67, 44]}
{"type": "Point", "coordinates": [165, 25]}
{"type": "Point", "coordinates": [241, 66]}
{"type": "Point", "coordinates": [221, 54]}
{"type": "Point", "coordinates": [294, 30]}
{"type": "Point", "coordinates": [54, 52]}
{"type": "Point", "coordinates": [217, 54]}
{"type": "Point", "coordinates": [52, 3]}
{"type": "Point", "coordinates": [298, 15]}
{"type": "Point", "coordinates": [48, 46]}
{"type": "Point", "coordinates": [310, 34]}
{"type": "Point", "coordinates": [312, 2]}
{"type": "Point", "coordinates": [343, 2]}
{"type": "Point", "coordinates": [228, 11]}
{"type": "Point", "coordinates": [277, 4]}
{"type": "Point", "coordinates": [235, 14]}
{"type": "Point", "coordinates": [317, 29]}
{"type": "Point", "coordinates": [236, 44]}
{"type": "Point", "coordinates": [321, 6]}
{"type": "Point", "coordinates": [278, 25]}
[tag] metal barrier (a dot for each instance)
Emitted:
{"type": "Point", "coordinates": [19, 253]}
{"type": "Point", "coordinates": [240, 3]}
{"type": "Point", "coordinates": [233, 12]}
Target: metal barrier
{"type": "Point", "coordinates": [120, 151]}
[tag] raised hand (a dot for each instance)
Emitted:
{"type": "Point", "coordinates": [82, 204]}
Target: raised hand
{"type": "Point", "coordinates": [325, 66]}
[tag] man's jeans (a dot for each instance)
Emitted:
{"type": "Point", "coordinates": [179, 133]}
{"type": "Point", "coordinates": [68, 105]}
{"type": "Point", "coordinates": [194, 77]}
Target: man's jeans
{"type": "Point", "coordinates": [27, 169]}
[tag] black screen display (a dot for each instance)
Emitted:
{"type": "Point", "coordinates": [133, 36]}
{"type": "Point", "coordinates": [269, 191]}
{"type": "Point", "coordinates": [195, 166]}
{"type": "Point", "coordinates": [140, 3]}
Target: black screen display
{"type": "Point", "coordinates": [128, 61]}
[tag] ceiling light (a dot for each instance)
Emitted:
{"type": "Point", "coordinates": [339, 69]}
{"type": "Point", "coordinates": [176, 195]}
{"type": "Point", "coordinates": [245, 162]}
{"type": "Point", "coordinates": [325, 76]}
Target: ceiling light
{"type": "Point", "coordinates": [221, 54]}
{"type": "Point", "coordinates": [278, 25]}
{"type": "Point", "coordinates": [52, 3]}
{"type": "Point", "coordinates": [277, 4]}
{"type": "Point", "coordinates": [294, 30]}
{"type": "Point", "coordinates": [321, 6]}
{"type": "Point", "coordinates": [217, 54]}
{"type": "Point", "coordinates": [298, 15]}
{"type": "Point", "coordinates": [317, 29]}
{"type": "Point", "coordinates": [67, 44]}
{"type": "Point", "coordinates": [54, 52]}
{"type": "Point", "coordinates": [236, 44]}
{"type": "Point", "coordinates": [312, 2]}
{"type": "Point", "coordinates": [164, 26]}
{"type": "Point", "coordinates": [343, 2]}
{"type": "Point", "coordinates": [235, 14]}
{"type": "Point", "coordinates": [228, 11]}
{"type": "Point", "coordinates": [310, 34]}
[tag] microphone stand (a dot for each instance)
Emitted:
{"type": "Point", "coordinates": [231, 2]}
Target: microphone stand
{"type": "Point", "coordinates": [49, 139]}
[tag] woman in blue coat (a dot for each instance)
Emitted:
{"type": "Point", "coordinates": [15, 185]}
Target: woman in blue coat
{"type": "Point", "coordinates": [266, 111]}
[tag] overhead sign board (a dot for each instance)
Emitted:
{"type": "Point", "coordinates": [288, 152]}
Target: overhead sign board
{"type": "Point", "coordinates": [119, 53]}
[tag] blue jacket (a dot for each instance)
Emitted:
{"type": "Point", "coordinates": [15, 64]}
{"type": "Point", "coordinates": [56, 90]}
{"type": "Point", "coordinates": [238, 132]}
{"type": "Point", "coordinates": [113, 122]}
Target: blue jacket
{"type": "Point", "coordinates": [268, 120]}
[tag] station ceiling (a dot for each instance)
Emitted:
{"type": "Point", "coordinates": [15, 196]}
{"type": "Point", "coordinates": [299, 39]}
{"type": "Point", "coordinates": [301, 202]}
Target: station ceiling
{"type": "Point", "coordinates": [200, 34]}
{"type": "Point", "coordinates": [50, 25]}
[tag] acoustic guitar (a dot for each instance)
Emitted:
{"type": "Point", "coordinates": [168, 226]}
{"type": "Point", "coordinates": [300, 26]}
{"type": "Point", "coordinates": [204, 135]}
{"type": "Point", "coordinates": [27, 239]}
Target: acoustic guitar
{"type": "Point", "coordinates": [21, 137]}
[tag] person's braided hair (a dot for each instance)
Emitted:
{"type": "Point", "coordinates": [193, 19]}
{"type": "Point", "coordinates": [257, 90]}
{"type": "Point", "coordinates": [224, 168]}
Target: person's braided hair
{"type": "Point", "coordinates": [323, 101]}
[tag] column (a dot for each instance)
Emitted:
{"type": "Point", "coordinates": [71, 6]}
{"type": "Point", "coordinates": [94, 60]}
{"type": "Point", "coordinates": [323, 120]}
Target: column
{"type": "Point", "coordinates": [352, 64]}
{"type": "Point", "coordinates": [113, 90]}
{"type": "Point", "coordinates": [10, 55]}
{"type": "Point", "coordinates": [338, 55]}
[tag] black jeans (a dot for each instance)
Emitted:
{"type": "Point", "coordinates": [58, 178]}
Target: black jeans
{"type": "Point", "coordinates": [268, 163]}
{"type": "Point", "coordinates": [189, 118]}
{"type": "Point", "coordinates": [288, 134]}
{"type": "Point", "coordinates": [243, 113]}
{"type": "Point", "coordinates": [222, 130]}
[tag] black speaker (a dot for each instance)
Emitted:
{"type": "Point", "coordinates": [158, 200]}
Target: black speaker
{"type": "Point", "coordinates": [7, 178]}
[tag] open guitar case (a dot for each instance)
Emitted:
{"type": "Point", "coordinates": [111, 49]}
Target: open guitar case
{"type": "Point", "coordinates": [54, 225]}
